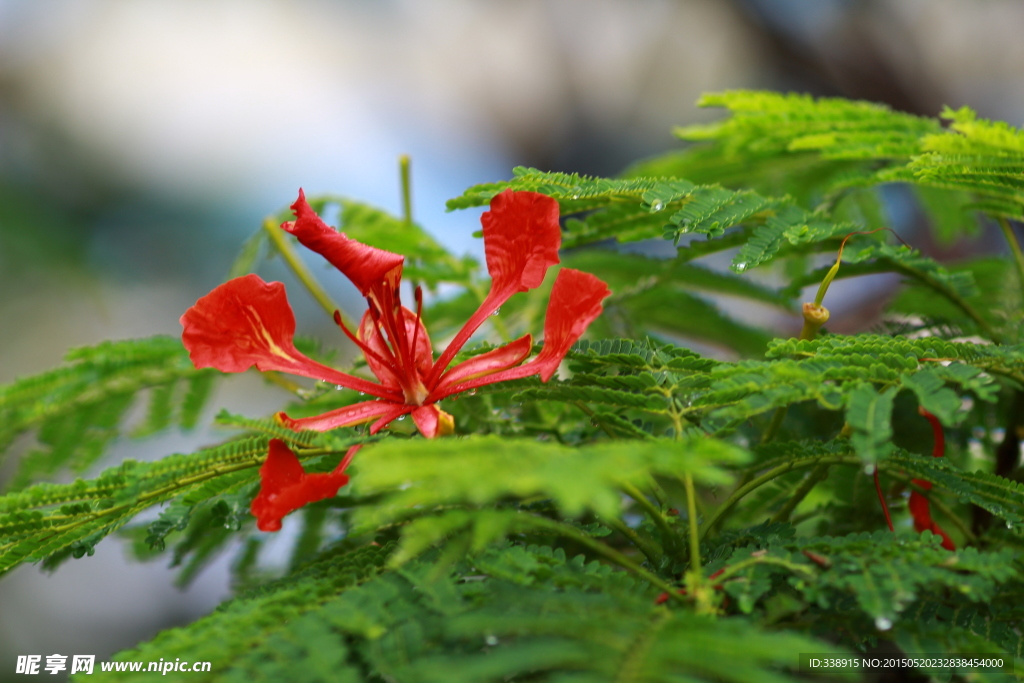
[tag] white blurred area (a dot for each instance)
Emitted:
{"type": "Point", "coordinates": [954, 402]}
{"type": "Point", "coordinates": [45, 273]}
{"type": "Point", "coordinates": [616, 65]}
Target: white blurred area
{"type": "Point", "coordinates": [227, 107]}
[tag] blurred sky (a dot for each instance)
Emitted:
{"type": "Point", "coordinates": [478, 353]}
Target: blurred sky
{"type": "Point", "coordinates": [142, 141]}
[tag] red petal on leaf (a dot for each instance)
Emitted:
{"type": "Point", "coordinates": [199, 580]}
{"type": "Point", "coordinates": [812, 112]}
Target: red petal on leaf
{"type": "Point", "coordinates": [575, 302]}
{"type": "Point", "coordinates": [285, 487]}
{"type": "Point", "coordinates": [432, 421]}
{"type": "Point", "coordinates": [355, 414]}
{"type": "Point", "coordinates": [501, 358]}
{"type": "Point", "coordinates": [246, 322]}
{"type": "Point", "coordinates": [367, 267]}
{"type": "Point", "coordinates": [920, 508]}
{"type": "Point", "coordinates": [521, 240]}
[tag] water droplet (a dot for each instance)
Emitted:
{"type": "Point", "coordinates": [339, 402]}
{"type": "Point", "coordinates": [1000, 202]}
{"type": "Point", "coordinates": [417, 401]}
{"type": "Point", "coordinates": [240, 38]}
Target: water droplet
{"type": "Point", "coordinates": [657, 206]}
{"type": "Point", "coordinates": [471, 392]}
{"type": "Point", "coordinates": [883, 624]}
{"type": "Point", "coordinates": [401, 417]}
{"type": "Point", "coordinates": [740, 267]}
{"type": "Point", "coordinates": [338, 387]}
{"type": "Point", "coordinates": [496, 311]}
{"type": "Point", "coordinates": [491, 640]}
{"type": "Point", "coordinates": [575, 196]}
{"type": "Point", "coordinates": [362, 393]}
{"type": "Point", "coordinates": [1009, 525]}
{"type": "Point", "coordinates": [869, 469]}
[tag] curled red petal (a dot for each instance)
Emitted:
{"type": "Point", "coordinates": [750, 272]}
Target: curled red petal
{"type": "Point", "coordinates": [920, 508]}
{"type": "Point", "coordinates": [367, 267]}
{"type": "Point", "coordinates": [521, 241]}
{"type": "Point", "coordinates": [246, 322]}
{"type": "Point", "coordinates": [432, 421]}
{"type": "Point", "coordinates": [575, 302]}
{"type": "Point", "coordinates": [355, 414]}
{"type": "Point", "coordinates": [496, 360]}
{"type": "Point", "coordinates": [285, 487]}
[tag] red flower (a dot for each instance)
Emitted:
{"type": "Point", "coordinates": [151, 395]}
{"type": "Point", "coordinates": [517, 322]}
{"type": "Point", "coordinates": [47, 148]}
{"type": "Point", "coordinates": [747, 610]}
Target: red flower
{"type": "Point", "coordinates": [920, 509]}
{"type": "Point", "coordinates": [247, 321]}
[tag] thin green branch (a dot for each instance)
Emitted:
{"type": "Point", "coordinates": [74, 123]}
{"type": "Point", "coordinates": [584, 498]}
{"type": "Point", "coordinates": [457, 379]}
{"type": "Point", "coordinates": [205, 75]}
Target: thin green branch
{"type": "Point", "coordinates": [668, 535]}
{"type": "Point", "coordinates": [606, 551]}
{"type": "Point", "coordinates": [734, 569]}
{"type": "Point", "coordinates": [403, 170]}
{"type": "Point", "coordinates": [649, 548]}
{"type": "Point", "coordinates": [797, 497]}
{"type": "Point", "coordinates": [772, 474]}
{"type": "Point", "coordinates": [691, 511]}
{"type": "Point", "coordinates": [773, 427]}
{"type": "Point", "coordinates": [1018, 255]}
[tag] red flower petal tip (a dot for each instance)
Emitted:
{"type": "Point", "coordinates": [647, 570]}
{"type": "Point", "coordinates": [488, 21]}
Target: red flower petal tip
{"type": "Point", "coordinates": [521, 239]}
{"type": "Point", "coordinates": [241, 323]}
{"type": "Point", "coordinates": [285, 487]}
{"type": "Point", "coordinates": [367, 267]}
{"type": "Point", "coordinates": [576, 300]}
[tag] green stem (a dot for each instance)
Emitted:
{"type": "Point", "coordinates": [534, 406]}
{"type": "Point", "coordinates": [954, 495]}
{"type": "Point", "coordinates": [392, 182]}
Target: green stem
{"type": "Point", "coordinates": [668, 535]}
{"type": "Point", "coordinates": [774, 425]}
{"type": "Point", "coordinates": [1011, 239]}
{"type": "Point", "coordinates": [650, 550]}
{"type": "Point", "coordinates": [608, 552]}
{"type": "Point", "coordinates": [403, 169]}
{"type": "Point", "coordinates": [734, 569]}
{"type": "Point", "coordinates": [772, 474]}
{"type": "Point", "coordinates": [816, 475]}
{"type": "Point", "coordinates": [284, 247]}
{"type": "Point", "coordinates": [691, 511]}
{"type": "Point", "coordinates": [851, 459]}
{"type": "Point", "coordinates": [593, 418]}
{"type": "Point", "coordinates": [280, 380]}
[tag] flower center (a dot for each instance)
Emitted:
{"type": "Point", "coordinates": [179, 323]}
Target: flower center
{"type": "Point", "coordinates": [415, 392]}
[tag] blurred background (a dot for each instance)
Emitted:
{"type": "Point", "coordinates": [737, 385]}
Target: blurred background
{"type": "Point", "coordinates": [142, 142]}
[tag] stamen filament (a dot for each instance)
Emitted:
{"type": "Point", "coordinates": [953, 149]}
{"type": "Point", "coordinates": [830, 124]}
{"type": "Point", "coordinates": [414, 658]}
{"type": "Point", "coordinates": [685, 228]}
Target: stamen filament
{"type": "Point", "coordinates": [367, 351]}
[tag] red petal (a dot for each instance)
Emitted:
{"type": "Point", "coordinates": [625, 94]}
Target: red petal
{"type": "Point", "coordinates": [521, 240]}
{"type": "Point", "coordinates": [920, 511]}
{"type": "Point", "coordinates": [285, 487]}
{"type": "Point", "coordinates": [575, 301]}
{"type": "Point", "coordinates": [432, 421]}
{"type": "Point", "coordinates": [367, 267]}
{"type": "Point", "coordinates": [246, 322]}
{"type": "Point", "coordinates": [396, 411]}
{"type": "Point", "coordinates": [355, 414]}
{"type": "Point", "coordinates": [499, 359]}
{"type": "Point", "coordinates": [423, 354]}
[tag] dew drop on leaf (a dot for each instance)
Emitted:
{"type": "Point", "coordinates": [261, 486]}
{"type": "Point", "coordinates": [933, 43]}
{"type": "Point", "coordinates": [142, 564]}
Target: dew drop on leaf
{"type": "Point", "coordinates": [740, 267]}
{"type": "Point", "coordinates": [657, 206]}
{"type": "Point", "coordinates": [491, 640]}
{"type": "Point", "coordinates": [883, 624]}
{"type": "Point", "coordinates": [869, 469]}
